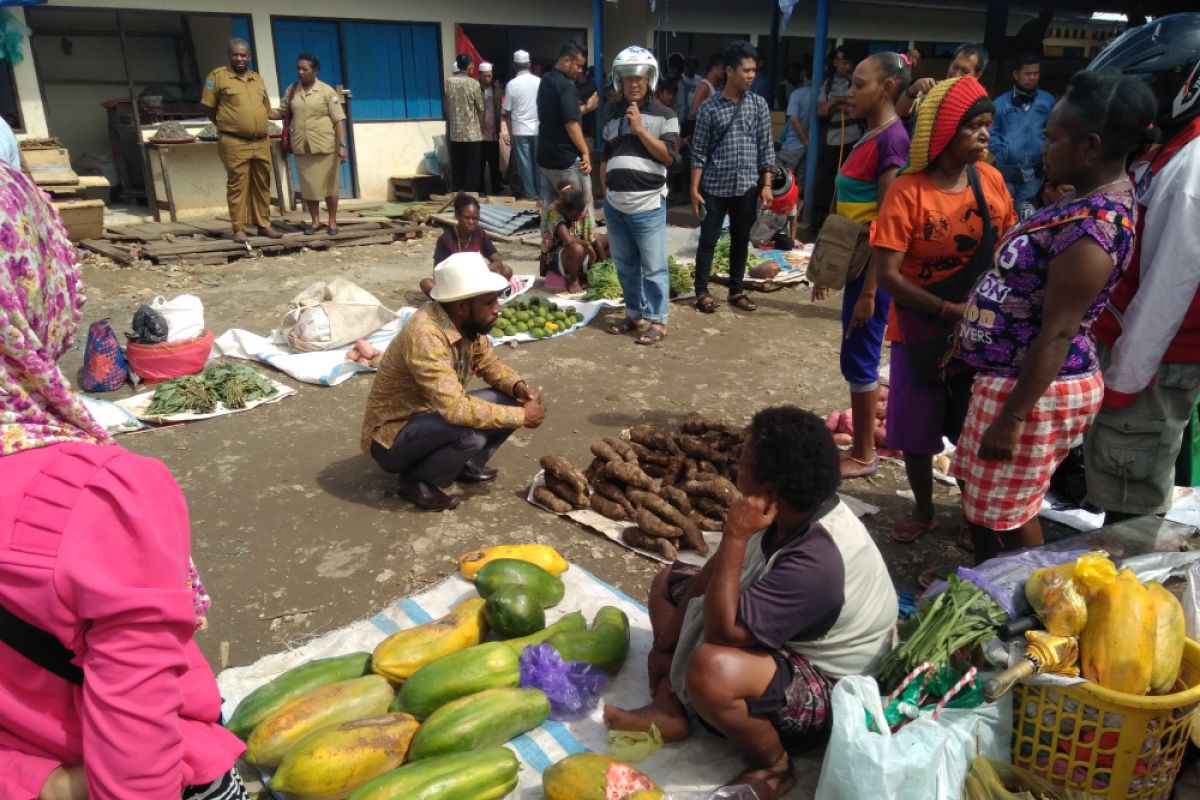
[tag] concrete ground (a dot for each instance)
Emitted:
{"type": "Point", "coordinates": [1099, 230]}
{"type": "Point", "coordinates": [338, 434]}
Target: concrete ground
{"type": "Point", "coordinates": [297, 533]}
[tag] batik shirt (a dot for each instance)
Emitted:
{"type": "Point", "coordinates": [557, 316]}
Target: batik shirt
{"type": "Point", "coordinates": [1004, 312]}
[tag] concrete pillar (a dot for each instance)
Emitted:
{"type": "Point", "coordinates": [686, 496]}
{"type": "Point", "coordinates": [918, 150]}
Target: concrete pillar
{"type": "Point", "coordinates": [626, 22]}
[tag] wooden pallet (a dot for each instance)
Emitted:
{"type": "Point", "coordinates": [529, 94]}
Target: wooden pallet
{"type": "Point", "coordinates": [209, 242]}
{"type": "Point", "coordinates": [415, 187]}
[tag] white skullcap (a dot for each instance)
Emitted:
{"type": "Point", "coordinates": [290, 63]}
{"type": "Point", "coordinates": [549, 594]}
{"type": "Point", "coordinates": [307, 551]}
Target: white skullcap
{"type": "Point", "coordinates": [521, 57]}
{"type": "Point", "coordinates": [485, 67]}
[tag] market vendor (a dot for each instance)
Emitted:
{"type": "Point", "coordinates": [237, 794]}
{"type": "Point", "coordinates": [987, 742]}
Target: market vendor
{"type": "Point", "coordinates": [569, 243]}
{"type": "Point", "coordinates": [467, 236]}
{"type": "Point", "coordinates": [796, 597]}
{"type": "Point", "coordinates": [237, 103]}
{"type": "Point", "coordinates": [103, 691]}
{"type": "Point", "coordinates": [421, 423]}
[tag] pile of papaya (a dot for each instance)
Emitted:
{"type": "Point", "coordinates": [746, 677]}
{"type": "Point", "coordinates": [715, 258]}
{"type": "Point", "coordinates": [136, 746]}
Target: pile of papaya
{"type": "Point", "coordinates": [426, 714]}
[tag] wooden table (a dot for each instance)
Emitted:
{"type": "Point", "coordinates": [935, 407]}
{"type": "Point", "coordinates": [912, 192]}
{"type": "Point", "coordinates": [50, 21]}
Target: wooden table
{"type": "Point", "coordinates": [167, 204]}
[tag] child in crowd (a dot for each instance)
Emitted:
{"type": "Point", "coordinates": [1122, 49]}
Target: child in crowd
{"type": "Point", "coordinates": [569, 244]}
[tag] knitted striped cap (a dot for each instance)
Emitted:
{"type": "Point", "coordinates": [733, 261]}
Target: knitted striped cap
{"type": "Point", "coordinates": [947, 106]}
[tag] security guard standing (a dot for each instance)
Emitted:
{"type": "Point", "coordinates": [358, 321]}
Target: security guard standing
{"type": "Point", "coordinates": [236, 99]}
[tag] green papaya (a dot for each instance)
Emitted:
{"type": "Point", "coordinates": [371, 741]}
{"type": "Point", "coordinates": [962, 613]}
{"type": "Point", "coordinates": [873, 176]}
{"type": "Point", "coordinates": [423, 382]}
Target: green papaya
{"type": "Point", "coordinates": [488, 718]}
{"type": "Point", "coordinates": [486, 774]}
{"type": "Point", "coordinates": [514, 611]}
{"type": "Point", "coordinates": [573, 621]}
{"type": "Point", "coordinates": [484, 666]}
{"type": "Point", "coordinates": [256, 706]}
{"type": "Point", "coordinates": [514, 572]}
{"type": "Point", "coordinates": [604, 645]}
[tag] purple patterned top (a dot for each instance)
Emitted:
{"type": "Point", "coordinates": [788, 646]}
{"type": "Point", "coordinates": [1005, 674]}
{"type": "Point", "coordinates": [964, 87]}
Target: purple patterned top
{"type": "Point", "coordinates": [1004, 312]}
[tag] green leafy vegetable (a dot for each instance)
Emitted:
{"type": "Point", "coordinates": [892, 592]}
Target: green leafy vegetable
{"type": "Point", "coordinates": [720, 262]}
{"type": "Point", "coordinates": [602, 282]}
{"type": "Point", "coordinates": [231, 385]}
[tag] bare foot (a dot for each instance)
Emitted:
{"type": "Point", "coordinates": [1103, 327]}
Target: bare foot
{"type": "Point", "coordinates": [853, 467]}
{"type": "Point", "coordinates": [666, 712]}
{"type": "Point", "coordinates": [769, 784]}
{"type": "Point", "coordinates": [574, 288]}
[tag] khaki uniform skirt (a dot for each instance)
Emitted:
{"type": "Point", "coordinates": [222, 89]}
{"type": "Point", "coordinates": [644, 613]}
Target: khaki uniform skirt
{"type": "Point", "coordinates": [318, 175]}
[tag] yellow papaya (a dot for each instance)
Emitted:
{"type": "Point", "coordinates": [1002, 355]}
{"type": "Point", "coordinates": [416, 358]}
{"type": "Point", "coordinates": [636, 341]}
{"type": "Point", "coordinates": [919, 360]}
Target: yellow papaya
{"type": "Point", "coordinates": [591, 776]}
{"type": "Point", "coordinates": [332, 704]}
{"type": "Point", "coordinates": [1093, 571]}
{"type": "Point", "coordinates": [542, 555]}
{"type": "Point", "coordinates": [1052, 593]}
{"type": "Point", "coordinates": [330, 763]}
{"type": "Point", "coordinates": [1170, 634]}
{"type": "Point", "coordinates": [1116, 649]}
{"type": "Point", "coordinates": [404, 652]}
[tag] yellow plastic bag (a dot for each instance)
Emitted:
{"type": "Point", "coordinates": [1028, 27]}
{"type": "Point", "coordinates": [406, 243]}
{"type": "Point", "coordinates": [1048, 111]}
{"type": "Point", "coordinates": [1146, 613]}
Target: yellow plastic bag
{"type": "Point", "coordinates": [1093, 571]}
{"type": "Point", "coordinates": [991, 780]}
{"type": "Point", "coordinates": [1055, 599]}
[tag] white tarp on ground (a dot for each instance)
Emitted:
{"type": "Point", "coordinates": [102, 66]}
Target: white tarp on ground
{"type": "Point", "coordinates": [138, 403]}
{"type": "Point", "coordinates": [700, 763]}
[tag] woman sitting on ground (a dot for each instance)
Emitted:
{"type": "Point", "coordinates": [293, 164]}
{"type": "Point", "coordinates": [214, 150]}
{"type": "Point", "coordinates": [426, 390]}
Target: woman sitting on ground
{"type": "Point", "coordinates": [569, 246]}
{"type": "Point", "coordinates": [930, 244]}
{"type": "Point", "coordinates": [103, 692]}
{"type": "Point", "coordinates": [796, 597]}
{"type": "Point", "coordinates": [1038, 384]}
{"type": "Point", "coordinates": [467, 236]}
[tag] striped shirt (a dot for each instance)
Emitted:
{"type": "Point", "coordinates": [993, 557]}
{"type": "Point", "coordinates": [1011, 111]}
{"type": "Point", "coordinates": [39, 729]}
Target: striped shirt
{"type": "Point", "coordinates": [739, 160]}
{"type": "Point", "coordinates": [635, 180]}
{"type": "Point", "coordinates": [857, 187]}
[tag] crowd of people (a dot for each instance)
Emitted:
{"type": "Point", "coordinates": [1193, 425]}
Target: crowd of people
{"type": "Point", "coordinates": [1013, 333]}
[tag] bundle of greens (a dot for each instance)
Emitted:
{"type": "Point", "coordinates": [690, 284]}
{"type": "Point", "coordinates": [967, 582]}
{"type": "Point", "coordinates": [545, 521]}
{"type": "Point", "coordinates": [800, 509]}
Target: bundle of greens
{"type": "Point", "coordinates": [955, 621]}
{"type": "Point", "coordinates": [602, 282]}
{"type": "Point", "coordinates": [231, 385]}
{"type": "Point", "coordinates": [682, 276]}
{"type": "Point", "coordinates": [720, 262]}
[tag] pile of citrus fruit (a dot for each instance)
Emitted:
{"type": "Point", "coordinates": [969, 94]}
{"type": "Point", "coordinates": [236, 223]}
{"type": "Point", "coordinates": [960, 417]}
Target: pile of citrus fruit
{"type": "Point", "coordinates": [538, 317]}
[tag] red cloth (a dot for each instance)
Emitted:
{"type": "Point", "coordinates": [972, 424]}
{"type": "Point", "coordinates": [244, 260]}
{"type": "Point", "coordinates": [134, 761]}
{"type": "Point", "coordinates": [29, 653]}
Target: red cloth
{"type": "Point", "coordinates": [1003, 495]}
{"type": "Point", "coordinates": [94, 545]}
{"type": "Point", "coordinates": [462, 44]}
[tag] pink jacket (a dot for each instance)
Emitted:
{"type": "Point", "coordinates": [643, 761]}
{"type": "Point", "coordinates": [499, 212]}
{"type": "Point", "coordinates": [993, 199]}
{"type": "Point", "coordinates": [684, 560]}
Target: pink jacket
{"type": "Point", "coordinates": [94, 546]}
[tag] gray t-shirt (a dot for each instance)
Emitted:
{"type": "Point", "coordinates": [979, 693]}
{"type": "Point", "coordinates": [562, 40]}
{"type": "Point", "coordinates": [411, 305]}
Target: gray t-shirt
{"type": "Point", "coordinates": [837, 86]}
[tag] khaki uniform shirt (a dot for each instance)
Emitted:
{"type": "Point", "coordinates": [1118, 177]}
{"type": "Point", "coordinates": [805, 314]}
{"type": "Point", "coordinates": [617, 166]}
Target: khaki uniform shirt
{"type": "Point", "coordinates": [315, 114]}
{"type": "Point", "coordinates": [427, 368]}
{"type": "Point", "coordinates": [240, 100]}
{"type": "Point", "coordinates": [464, 108]}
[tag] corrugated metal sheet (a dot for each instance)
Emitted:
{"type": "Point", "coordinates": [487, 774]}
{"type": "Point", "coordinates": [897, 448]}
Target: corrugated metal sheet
{"type": "Point", "coordinates": [506, 220]}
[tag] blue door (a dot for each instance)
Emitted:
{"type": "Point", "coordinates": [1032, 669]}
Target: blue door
{"type": "Point", "coordinates": [293, 37]}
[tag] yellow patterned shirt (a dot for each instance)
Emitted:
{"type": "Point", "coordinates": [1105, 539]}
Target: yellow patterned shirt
{"type": "Point", "coordinates": [426, 369]}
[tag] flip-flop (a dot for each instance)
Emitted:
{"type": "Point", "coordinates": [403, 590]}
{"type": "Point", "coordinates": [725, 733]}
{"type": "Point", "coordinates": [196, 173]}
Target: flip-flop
{"type": "Point", "coordinates": [907, 530]}
{"type": "Point", "coordinates": [651, 335]}
{"type": "Point", "coordinates": [332, 231]}
{"type": "Point", "coordinates": [309, 230]}
{"type": "Point", "coordinates": [625, 326]}
{"type": "Point", "coordinates": [865, 468]}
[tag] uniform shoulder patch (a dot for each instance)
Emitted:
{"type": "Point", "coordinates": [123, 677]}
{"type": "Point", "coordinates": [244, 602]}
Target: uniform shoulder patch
{"type": "Point", "coordinates": [209, 84]}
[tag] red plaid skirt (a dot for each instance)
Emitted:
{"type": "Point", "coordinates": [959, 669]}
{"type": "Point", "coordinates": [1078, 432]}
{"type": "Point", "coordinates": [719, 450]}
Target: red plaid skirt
{"type": "Point", "coordinates": [1003, 495]}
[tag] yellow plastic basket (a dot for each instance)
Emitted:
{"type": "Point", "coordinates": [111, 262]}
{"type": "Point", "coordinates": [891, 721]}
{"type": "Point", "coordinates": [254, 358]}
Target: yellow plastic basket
{"type": "Point", "coordinates": [1107, 743]}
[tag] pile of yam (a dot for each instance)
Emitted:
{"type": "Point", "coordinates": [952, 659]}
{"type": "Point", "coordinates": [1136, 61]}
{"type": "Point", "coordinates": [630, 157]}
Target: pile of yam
{"type": "Point", "coordinates": [671, 484]}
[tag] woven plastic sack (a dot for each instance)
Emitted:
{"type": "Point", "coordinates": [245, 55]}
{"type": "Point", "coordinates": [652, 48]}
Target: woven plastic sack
{"type": "Point", "coordinates": [104, 365]}
{"type": "Point", "coordinates": [155, 363]}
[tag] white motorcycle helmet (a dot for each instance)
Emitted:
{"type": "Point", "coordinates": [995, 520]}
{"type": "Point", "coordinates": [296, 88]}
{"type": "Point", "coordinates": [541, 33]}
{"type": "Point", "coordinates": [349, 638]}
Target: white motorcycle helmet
{"type": "Point", "coordinates": [635, 61]}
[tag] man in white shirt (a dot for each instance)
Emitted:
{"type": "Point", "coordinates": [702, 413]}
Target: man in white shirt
{"type": "Point", "coordinates": [10, 152]}
{"type": "Point", "coordinates": [520, 111]}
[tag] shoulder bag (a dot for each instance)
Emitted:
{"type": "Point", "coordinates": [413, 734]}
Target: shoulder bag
{"type": "Point", "coordinates": [929, 339]}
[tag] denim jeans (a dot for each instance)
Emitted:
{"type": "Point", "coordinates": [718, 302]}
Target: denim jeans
{"type": "Point", "coordinates": [1025, 196]}
{"type": "Point", "coordinates": [742, 212]}
{"type": "Point", "coordinates": [639, 251]}
{"type": "Point", "coordinates": [432, 450]}
{"type": "Point", "coordinates": [525, 152]}
{"type": "Point", "coordinates": [554, 178]}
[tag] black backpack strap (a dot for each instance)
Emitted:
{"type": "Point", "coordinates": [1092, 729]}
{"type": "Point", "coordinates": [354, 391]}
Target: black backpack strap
{"type": "Point", "coordinates": [39, 646]}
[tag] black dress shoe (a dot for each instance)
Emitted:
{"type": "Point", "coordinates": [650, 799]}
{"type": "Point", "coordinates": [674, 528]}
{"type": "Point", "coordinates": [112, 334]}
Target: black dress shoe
{"type": "Point", "coordinates": [472, 473]}
{"type": "Point", "coordinates": [426, 496]}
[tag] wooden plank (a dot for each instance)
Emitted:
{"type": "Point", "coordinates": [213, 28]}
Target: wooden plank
{"type": "Point", "coordinates": [122, 255]}
{"type": "Point", "coordinates": [201, 259]}
{"type": "Point", "coordinates": [156, 249]}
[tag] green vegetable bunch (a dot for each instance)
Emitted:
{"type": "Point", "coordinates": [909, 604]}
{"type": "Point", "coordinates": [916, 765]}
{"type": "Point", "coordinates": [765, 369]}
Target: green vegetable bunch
{"type": "Point", "coordinates": [602, 282]}
{"type": "Point", "coordinates": [682, 276]}
{"type": "Point", "coordinates": [231, 385]}
{"type": "Point", "coordinates": [720, 262]}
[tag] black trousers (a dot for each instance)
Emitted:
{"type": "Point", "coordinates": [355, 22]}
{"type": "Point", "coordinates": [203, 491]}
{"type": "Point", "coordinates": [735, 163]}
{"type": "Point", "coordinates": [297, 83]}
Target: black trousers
{"type": "Point", "coordinates": [489, 167]}
{"type": "Point", "coordinates": [464, 166]}
{"type": "Point", "coordinates": [827, 171]}
{"type": "Point", "coordinates": [742, 211]}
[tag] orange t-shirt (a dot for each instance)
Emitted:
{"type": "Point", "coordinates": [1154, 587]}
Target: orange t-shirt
{"type": "Point", "coordinates": [937, 231]}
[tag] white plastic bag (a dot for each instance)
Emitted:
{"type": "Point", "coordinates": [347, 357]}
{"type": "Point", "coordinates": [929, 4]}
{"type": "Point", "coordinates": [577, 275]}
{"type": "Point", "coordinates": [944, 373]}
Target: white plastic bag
{"type": "Point", "coordinates": [184, 315]}
{"type": "Point", "coordinates": [927, 759]}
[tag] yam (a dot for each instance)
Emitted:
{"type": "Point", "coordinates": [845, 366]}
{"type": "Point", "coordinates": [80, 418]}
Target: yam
{"type": "Point", "coordinates": [690, 471]}
{"type": "Point", "coordinates": [698, 426]}
{"type": "Point", "coordinates": [609, 508]}
{"type": "Point", "coordinates": [655, 470]}
{"type": "Point", "coordinates": [560, 468]}
{"type": "Point", "coordinates": [590, 473]}
{"type": "Point", "coordinates": [676, 497]}
{"type": "Point", "coordinates": [628, 474]}
{"type": "Point", "coordinates": [615, 493]}
{"type": "Point", "coordinates": [623, 448]}
{"type": "Point", "coordinates": [603, 450]}
{"type": "Point", "coordinates": [654, 525]}
{"type": "Point", "coordinates": [709, 468]}
{"type": "Point", "coordinates": [700, 450]}
{"type": "Point", "coordinates": [550, 500]}
{"type": "Point", "coordinates": [637, 497]}
{"type": "Point", "coordinates": [706, 523]}
{"type": "Point", "coordinates": [567, 492]}
{"type": "Point", "coordinates": [718, 488]}
{"type": "Point", "coordinates": [652, 437]}
{"type": "Point", "coordinates": [673, 518]}
{"type": "Point", "coordinates": [635, 537]}
{"type": "Point", "coordinates": [710, 507]}
{"type": "Point", "coordinates": [692, 538]}
{"type": "Point", "coordinates": [674, 471]}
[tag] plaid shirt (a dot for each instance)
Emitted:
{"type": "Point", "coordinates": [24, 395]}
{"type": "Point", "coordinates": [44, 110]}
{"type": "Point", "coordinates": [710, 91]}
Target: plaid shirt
{"type": "Point", "coordinates": [464, 108]}
{"type": "Point", "coordinates": [743, 155]}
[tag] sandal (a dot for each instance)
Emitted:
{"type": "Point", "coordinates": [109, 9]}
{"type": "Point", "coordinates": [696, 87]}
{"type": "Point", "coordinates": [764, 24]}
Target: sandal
{"type": "Point", "coordinates": [742, 302]}
{"type": "Point", "coordinates": [965, 540]}
{"type": "Point", "coordinates": [865, 468]}
{"type": "Point", "coordinates": [652, 335]}
{"type": "Point", "coordinates": [309, 230]}
{"type": "Point", "coordinates": [908, 530]}
{"type": "Point", "coordinates": [707, 303]}
{"type": "Point", "coordinates": [333, 231]}
{"type": "Point", "coordinates": [625, 326]}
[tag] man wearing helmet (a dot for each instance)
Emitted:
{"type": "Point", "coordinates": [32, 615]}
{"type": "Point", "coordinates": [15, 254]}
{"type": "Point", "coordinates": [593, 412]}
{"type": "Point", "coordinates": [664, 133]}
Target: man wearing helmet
{"type": "Point", "coordinates": [641, 140]}
{"type": "Point", "coordinates": [1149, 336]}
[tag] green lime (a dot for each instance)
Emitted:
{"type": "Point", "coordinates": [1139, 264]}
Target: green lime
{"type": "Point", "coordinates": [497, 333]}
{"type": "Point", "coordinates": [538, 333]}
{"type": "Point", "coordinates": [553, 306]}
{"type": "Point", "coordinates": [522, 327]}
{"type": "Point", "coordinates": [569, 309]}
